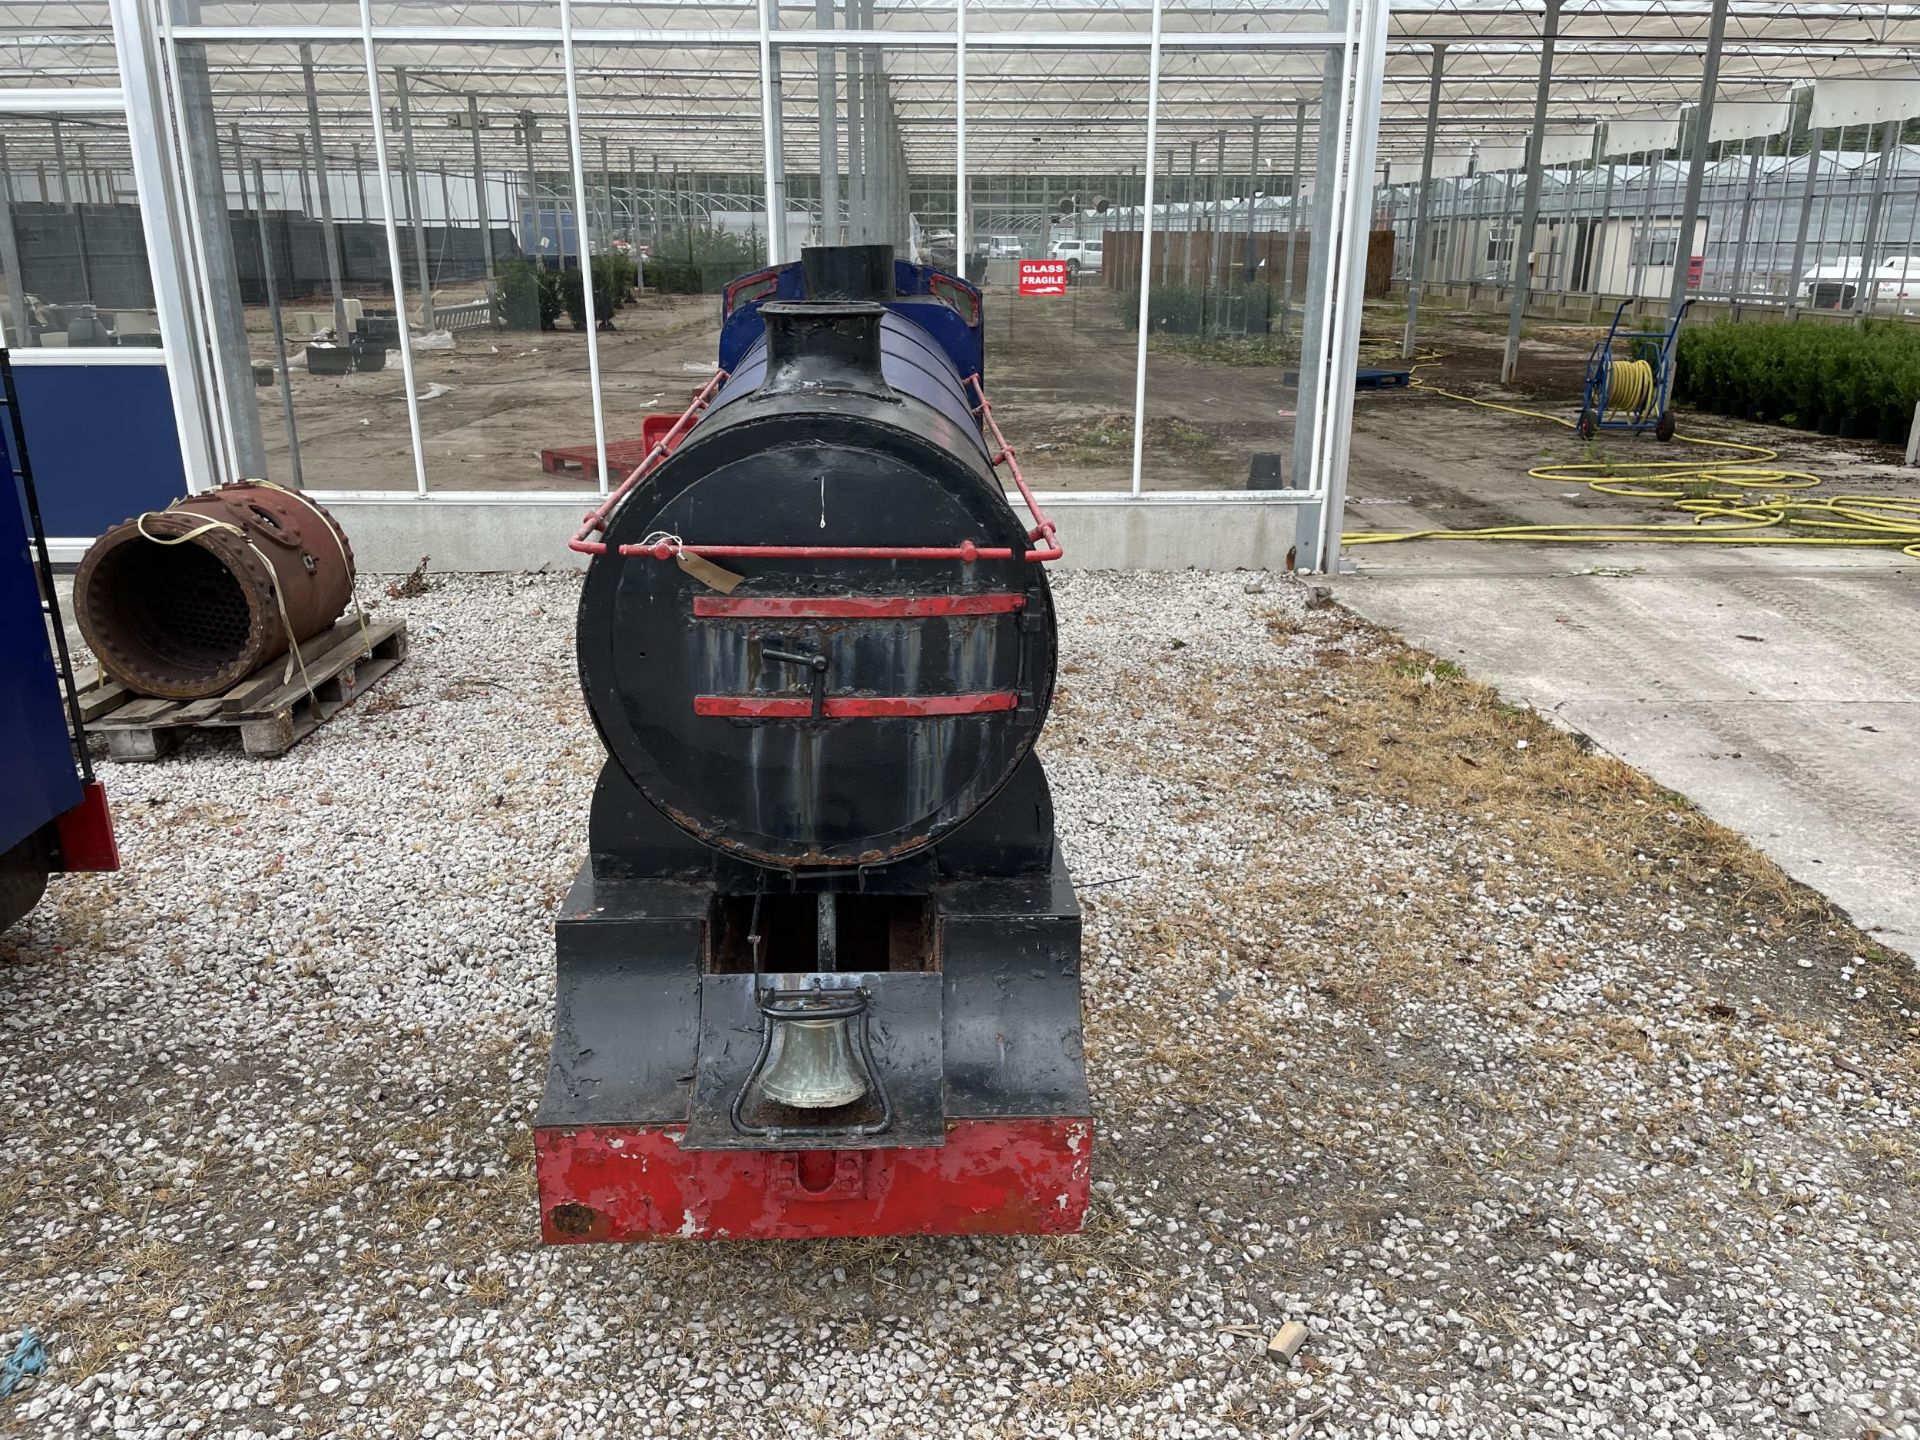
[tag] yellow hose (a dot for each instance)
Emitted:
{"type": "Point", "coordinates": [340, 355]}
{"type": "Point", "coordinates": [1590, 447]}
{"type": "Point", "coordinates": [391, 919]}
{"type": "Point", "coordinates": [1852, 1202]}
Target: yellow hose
{"type": "Point", "coordinates": [1741, 498]}
{"type": "Point", "coordinates": [1630, 387]}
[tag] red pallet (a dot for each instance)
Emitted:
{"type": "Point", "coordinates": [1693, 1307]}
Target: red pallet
{"type": "Point", "coordinates": [623, 456]}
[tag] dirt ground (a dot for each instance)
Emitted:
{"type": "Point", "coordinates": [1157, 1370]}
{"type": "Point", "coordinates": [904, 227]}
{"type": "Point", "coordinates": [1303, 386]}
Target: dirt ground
{"type": "Point", "coordinates": [1422, 460]}
{"type": "Point", "coordinates": [1060, 372]}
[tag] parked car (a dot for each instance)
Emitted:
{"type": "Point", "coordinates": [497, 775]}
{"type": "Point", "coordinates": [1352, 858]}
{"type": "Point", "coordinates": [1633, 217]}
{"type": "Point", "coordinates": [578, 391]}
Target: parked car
{"type": "Point", "coordinates": [1895, 282]}
{"type": "Point", "coordinates": [1004, 247]}
{"type": "Point", "coordinates": [1079, 254]}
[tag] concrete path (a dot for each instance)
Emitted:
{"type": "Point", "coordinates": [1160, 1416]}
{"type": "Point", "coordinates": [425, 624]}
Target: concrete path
{"type": "Point", "coordinates": [1778, 689]}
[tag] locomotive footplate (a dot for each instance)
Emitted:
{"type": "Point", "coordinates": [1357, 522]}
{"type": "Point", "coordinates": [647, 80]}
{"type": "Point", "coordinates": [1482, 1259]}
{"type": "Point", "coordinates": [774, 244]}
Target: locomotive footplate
{"type": "Point", "coordinates": [641, 1134]}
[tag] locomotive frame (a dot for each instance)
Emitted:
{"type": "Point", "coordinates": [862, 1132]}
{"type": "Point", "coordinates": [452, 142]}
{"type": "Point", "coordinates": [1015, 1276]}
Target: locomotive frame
{"type": "Point", "coordinates": [821, 819]}
{"type": "Point", "coordinates": [54, 815]}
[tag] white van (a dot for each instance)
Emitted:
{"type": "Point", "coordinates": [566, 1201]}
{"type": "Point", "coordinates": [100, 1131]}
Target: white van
{"type": "Point", "coordinates": [1079, 254]}
{"type": "Point", "coordinates": [1895, 283]}
{"type": "Point", "coordinates": [1004, 247]}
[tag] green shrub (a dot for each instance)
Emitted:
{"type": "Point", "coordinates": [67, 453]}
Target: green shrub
{"type": "Point", "coordinates": [1177, 309]}
{"type": "Point", "coordinates": [699, 261]}
{"type": "Point", "coordinates": [1871, 374]}
{"type": "Point", "coordinates": [573, 292]}
{"type": "Point", "coordinates": [553, 299]}
{"type": "Point", "coordinates": [615, 275]}
{"type": "Point", "coordinates": [519, 291]}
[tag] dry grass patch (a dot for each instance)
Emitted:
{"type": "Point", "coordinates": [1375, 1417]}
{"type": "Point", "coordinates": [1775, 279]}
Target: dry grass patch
{"type": "Point", "coordinates": [1417, 729]}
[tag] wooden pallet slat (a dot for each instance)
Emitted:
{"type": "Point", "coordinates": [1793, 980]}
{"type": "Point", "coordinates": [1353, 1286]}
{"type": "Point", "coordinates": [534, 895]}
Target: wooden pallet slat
{"type": "Point", "coordinates": [271, 713]}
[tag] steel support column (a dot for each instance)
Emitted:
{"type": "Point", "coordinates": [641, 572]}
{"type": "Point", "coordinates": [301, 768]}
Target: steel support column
{"type": "Point", "coordinates": [1867, 290]}
{"type": "Point", "coordinates": [1805, 219]}
{"type": "Point", "coordinates": [1601, 230]}
{"type": "Point", "coordinates": [1216, 250]}
{"type": "Point", "coordinates": [240, 168]}
{"type": "Point", "coordinates": [279, 329]}
{"type": "Point", "coordinates": [857, 228]}
{"type": "Point", "coordinates": [1146, 256]}
{"type": "Point", "coordinates": [1193, 191]}
{"type": "Point", "coordinates": [1697, 159]}
{"type": "Point", "coordinates": [1746, 225]}
{"type": "Point", "coordinates": [60, 160]}
{"type": "Point", "coordinates": [334, 279]}
{"type": "Point", "coordinates": [960, 219]}
{"type": "Point", "coordinates": [1639, 255]}
{"type": "Point", "coordinates": [480, 186]}
{"type": "Point", "coordinates": [1321, 230]}
{"type": "Point", "coordinates": [20, 334]}
{"type": "Point", "coordinates": [826, 63]}
{"type": "Point", "coordinates": [1293, 215]}
{"type": "Point", "coordinates": [772, 103]}
{"type": "Point", "coordinates": [1248, 263]}
{"type": "Point", "coordinates": [162, 208]}
{"type": "Point", "coordinates": [410, 178]}
{"type": "Point", "coordinates": [606, 190]}
{"type": "Point", "coordinates": [1530, 203]}
{"type": "Point", "coordinates": [1421, 239]}
{"type": "Point", "coordinates": [220, 273]}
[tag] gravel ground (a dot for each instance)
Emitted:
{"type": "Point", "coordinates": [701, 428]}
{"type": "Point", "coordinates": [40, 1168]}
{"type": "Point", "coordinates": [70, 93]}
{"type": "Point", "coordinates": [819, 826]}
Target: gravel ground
{"type": "Point", "coordinates": [1551, 1109]}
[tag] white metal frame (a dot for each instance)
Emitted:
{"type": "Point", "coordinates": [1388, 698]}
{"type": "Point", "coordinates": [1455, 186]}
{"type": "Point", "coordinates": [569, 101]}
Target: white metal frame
{"type": "Point", "coordinates": [163, 171]}
{"type": "Point", "coordinates": [137, 97]}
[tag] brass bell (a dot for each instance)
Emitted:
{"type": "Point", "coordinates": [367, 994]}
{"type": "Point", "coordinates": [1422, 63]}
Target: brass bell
{"type": "Point", "coordinates": [811, 1063]}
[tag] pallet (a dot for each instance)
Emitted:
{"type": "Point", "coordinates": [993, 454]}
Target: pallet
{"type": "Point", "coordinates": [271, 714]}
{"type": "Point", "coordinates": [622, 456]}
{"type": "Point", "coordinates": [1367, 377]}
{"type": "Point", "coordinates": [1370, 378]}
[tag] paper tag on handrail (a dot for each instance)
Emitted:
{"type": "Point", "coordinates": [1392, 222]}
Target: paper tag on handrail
{"type": "Point", "coordinates": [708, 573]}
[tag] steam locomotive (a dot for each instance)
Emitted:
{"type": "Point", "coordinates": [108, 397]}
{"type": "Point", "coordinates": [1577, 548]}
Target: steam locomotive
{"type": "Point", "coordinates": [819, 974]}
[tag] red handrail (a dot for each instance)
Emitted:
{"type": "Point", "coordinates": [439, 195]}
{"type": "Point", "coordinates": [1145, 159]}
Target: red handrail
{"type": "Point", "coordinates": [1042, 525]}
{"type": "Point", "coordinates": [595, 521]}
{"type": "Point", "coordinates": [666, 547]}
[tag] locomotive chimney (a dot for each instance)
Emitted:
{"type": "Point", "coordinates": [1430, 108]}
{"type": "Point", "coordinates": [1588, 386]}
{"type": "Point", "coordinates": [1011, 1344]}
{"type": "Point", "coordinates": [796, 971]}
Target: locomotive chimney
{"type": "Point", "coordinates": [823, 347]}
{"type": "Point", "coordinates": [847, 272]}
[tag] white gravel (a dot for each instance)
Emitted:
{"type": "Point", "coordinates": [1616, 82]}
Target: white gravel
{"type": "Point", "coordinates": [1533, 1153]}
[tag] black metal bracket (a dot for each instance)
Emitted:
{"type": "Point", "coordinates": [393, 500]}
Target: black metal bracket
{"type": "Point", "coordinates": [814, 662]}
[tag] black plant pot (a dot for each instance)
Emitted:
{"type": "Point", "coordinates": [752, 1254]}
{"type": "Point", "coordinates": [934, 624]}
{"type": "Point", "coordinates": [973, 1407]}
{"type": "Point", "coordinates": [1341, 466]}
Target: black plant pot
{"type": "Point", "coordinates": [329, 359]}
{"type": "Point", "coordinates": [1892, 432]}
{"type": "Point", "coordinates": [1853, 427]}
{"type": "Point", "coordinates": [1805, 420]}
{"type": "Point", "coordinates": [1828, 424]}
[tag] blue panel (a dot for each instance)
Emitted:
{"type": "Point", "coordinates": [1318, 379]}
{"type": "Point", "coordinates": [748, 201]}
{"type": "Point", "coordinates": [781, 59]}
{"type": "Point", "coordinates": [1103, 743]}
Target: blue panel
{"type": "Point", "coordinates": [959, 341]}
{"type": "Point", "coordinates": [37, 776]}
{"type": "Point", "coordinates": [549, 236]}
{"type": "Point", "coordinates": [909, 360]}
{"type": "Point", "coordinates": [102, 441]}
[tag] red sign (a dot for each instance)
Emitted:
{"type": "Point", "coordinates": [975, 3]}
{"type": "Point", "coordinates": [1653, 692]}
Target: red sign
{"type": "Point", "coordinates": [1696, 267]}
{"type": "Point", "coordinates": [1043, 277]}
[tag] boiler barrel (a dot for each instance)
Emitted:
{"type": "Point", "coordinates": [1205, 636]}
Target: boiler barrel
{"type": "Point", "coordinates": [187, 602]}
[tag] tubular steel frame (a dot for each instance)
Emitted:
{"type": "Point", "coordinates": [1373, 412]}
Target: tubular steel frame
{"type": "Point", "coordinates": [147, 37]}
{"type": "Point", "coordinates": [668, 546]}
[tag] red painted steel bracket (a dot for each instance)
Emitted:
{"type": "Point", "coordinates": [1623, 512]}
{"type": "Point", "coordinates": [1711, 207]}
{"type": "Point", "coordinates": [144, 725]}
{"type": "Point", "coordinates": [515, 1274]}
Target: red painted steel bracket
{"type": "Point", "coordinates": [991, 1177]}
{"type": "Point", "coordinates": [86, 832]}
{"type": "Point", "coordinates": [855, 707]}
{"type": "Point", "coordinates": [852, 607]}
